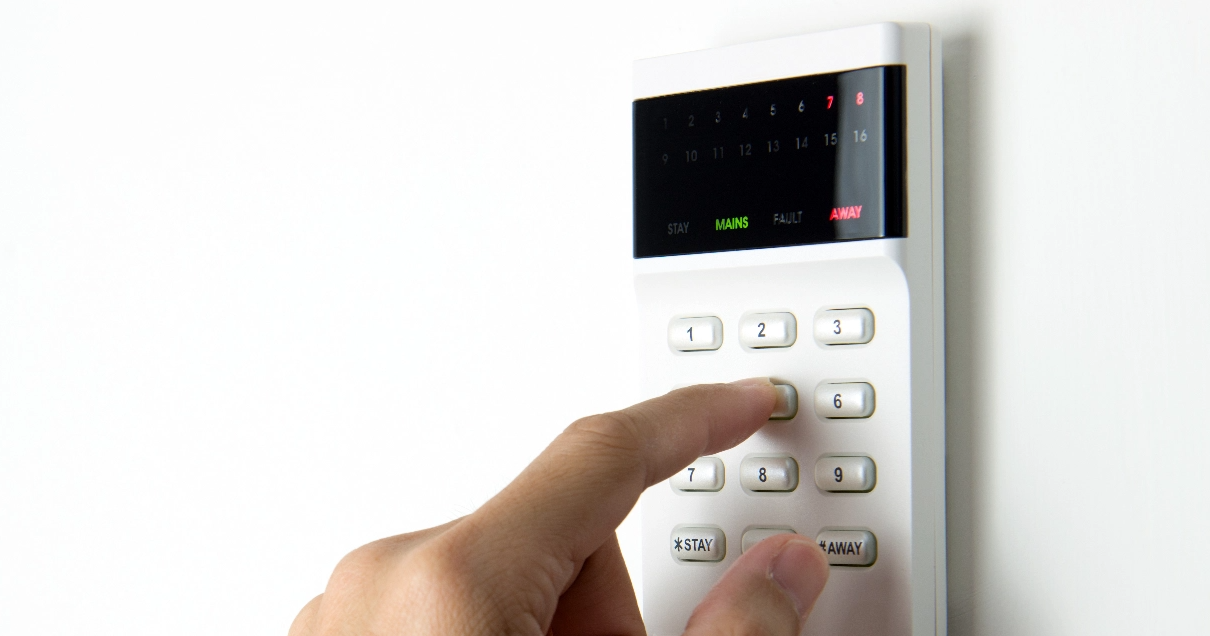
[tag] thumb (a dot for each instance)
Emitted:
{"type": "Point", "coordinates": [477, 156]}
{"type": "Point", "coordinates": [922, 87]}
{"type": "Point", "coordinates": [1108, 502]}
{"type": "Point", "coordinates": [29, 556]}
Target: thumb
{"type": "Point", "coordinates": [769, 590]}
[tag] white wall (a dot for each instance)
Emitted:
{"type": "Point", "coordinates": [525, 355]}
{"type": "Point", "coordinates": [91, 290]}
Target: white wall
{"type": "Point", "coordinates": [277, 279]}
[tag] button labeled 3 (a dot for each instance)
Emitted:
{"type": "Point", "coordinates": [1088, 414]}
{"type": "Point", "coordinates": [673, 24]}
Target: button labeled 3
{"type": "Point", "coordinates": [763, 331]}
{"type": "Point", "coordinates": [698, 544]}
{"type": "Point", "coordinates": [768, 474]}
{"type": "Point", "coordinates": [704, 333]}
{"type": "Point", "coordinates": [844, 400]}
{"type": "Point", "coordinates": [845, 474]}
{"type": "Point", "coordinates": [705, 474]}
{"type": "Point", "coordinates": [844, 326]}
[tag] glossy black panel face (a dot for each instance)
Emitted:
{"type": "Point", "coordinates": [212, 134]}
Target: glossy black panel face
{"type": "Point", "coordinates": [814, 159]}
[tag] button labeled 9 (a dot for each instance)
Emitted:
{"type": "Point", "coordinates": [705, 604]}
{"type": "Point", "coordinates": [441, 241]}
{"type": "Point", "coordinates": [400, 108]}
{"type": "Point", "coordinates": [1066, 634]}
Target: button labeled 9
{"type": "Point", "coordinates": [845, 474]}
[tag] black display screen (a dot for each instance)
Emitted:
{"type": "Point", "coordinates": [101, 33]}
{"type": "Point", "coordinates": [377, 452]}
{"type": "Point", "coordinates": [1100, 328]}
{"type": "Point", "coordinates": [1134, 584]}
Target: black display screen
{"type": "Point", "coordinates": [813, 159]}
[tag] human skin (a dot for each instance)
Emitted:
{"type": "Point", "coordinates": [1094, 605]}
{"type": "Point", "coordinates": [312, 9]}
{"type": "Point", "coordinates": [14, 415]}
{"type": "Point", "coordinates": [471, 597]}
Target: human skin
{"type": "Point", "coordinates": [542, 556]}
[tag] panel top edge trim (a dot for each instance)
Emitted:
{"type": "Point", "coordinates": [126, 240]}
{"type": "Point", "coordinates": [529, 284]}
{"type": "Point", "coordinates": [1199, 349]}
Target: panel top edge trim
{"type": "Point", "coordinates": [795, 56]}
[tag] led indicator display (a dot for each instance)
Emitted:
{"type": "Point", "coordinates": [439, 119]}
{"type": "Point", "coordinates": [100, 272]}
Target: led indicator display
{"type": "Point", "coordinates": [797, 161]}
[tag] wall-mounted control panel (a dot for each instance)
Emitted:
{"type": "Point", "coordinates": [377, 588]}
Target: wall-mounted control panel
{"type": "Point", "coordinates": [788, 223]}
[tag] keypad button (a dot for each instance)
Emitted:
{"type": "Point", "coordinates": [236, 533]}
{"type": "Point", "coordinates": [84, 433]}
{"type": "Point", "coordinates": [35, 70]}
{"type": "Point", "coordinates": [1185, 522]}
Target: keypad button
{"type": "Point", "coordinates": [755, 535]}
{"type": "Point", "coordinates": [849, 547]}
{"type": "Point", "coordinates": [762, 331]}
{"type": "Point", "coordinates": [705, 474]}
{"type": "Point", "coordinates": [787, 402]}
{"type": "Point", "coordinates": [768, 474]}
{"type": "Point", "coordinates": [844, 326]}
{"type": "Point", "coordinates": [704, 333]}
{"type": "Point", "coordinates": [845, 474]}
{"type": "Point", "coordinates": [698, 544]}
{"type": "Point", "coordinates": [844, 400]}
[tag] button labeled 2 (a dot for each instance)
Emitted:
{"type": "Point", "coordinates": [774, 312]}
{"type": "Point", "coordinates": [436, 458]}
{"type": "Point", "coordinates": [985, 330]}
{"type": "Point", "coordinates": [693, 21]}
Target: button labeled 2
{"type": "Point", "coordinates": [704, 333]}
{"type": "Point", "coordinates": [844, 400]}
{"type": "Point", "coordinates": [765, 331]}
{"type": "Point", "coordinates": [844, 326]}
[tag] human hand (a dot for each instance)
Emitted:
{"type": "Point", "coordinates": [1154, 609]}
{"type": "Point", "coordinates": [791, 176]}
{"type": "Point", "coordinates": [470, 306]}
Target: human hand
{"type": "Point", "coordinates": [542, 556]}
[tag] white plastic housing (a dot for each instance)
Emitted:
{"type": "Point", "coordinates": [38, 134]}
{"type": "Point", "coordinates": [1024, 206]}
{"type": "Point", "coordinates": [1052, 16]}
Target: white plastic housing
{"type": "Point", "coordinates": [899, 280]}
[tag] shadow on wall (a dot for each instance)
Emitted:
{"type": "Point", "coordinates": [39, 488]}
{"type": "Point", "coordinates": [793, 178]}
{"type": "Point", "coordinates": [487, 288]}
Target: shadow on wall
{"type": "Point", "coordinates": [966, 306]}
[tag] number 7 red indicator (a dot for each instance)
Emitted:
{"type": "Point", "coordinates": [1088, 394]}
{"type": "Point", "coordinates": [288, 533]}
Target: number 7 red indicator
{"type": "Point", "coordinates": [829, 102]}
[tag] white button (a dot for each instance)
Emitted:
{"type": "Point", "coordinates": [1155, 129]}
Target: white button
{"type": "Point", "coordinates": [787, 402]}
{"type": "Point", "coordinates": [759, 331]}
{"type": "Point", "coordinates": [844, 326]}
{"type": "Point", "coordinates": [846, 399]}
{"type": "Point", "coordinates": [766, 473]}
{"type": "Point", "coordinates": [756, 535]}
{"type": "Point", "coordinates": [845, 474]}
{"type": "Point", "coordinates": [848, 547]}
{"type": "Point", "coordinates": [695, 334]}
{"type": "Point", "coordinates": [698, 544]}
{"type": "Point", "coordinates": [704, 474]}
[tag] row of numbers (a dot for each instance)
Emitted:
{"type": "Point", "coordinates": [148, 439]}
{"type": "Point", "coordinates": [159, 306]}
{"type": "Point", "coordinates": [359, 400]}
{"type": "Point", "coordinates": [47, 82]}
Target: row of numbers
{"type": "Point", "coordinates": [771, 146]}
{"type": "Point", "coordinates": [693, 120]}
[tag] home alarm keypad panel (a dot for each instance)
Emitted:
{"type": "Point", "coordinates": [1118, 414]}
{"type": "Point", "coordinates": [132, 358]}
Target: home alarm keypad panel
{"type": "Point", "coordinates": [760, 265]}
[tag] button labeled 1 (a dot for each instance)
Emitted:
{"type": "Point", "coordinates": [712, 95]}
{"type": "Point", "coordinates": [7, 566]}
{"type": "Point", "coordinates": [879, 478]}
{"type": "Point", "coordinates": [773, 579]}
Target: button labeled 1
{"type": "Point", "coordinates": [768, 474]}
{"type": "Point", "coordinates": [844, 400]}
{"type": "Point", "coordinates": [844, 326]}
{"type": "Point", "coordinates": [705, 474]}
{"type": "Point", "coordinates": [695, 334]}
{"type": "Point", "coordinates": [764, 331]}
{"type": "Point", "coordinates": [845, 474]}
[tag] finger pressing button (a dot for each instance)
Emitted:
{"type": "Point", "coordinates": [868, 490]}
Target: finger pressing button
{"type": "Point", "coordinates": [787, 402]}
{"type": "Point", "coordinates": [754, 536]}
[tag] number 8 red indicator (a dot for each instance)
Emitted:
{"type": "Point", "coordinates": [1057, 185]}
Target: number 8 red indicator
{"type": "Point", "coordinates": [860, 98]}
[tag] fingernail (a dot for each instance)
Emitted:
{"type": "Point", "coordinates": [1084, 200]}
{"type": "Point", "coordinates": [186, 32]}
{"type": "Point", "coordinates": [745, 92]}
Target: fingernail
{"type": "Point", "coordinates": [753, 382]}
{"type": "Point", "coordinates": [796, 569]}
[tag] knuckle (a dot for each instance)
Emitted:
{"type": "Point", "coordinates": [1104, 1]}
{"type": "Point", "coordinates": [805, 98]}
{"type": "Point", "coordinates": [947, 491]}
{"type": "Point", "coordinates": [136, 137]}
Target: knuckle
{"type": "Point", "coordinates": [617, 430]}
{"type": "Point", "coordinates": [358, 569]}
{"type": "Point", "coordinates": [458, 594]}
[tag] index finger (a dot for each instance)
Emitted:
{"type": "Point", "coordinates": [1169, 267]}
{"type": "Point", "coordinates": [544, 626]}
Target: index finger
{"type": "Point", "coordinates": [574, 495]}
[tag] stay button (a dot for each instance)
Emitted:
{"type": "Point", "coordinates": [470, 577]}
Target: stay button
{"type": "Point", "coordinates": [698, 544]}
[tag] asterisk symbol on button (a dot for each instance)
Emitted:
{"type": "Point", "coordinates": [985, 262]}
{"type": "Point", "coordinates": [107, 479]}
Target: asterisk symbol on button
{"type": "Point", "coordinates": [677, 544]}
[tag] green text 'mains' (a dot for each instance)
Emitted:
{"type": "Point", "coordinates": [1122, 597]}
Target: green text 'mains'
{"type": "Point", "coordinates": [733, 223]}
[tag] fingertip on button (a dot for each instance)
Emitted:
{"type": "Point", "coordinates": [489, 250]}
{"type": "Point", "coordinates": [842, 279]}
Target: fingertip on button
{"type": "Point", "coordinates": [787, 402]}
